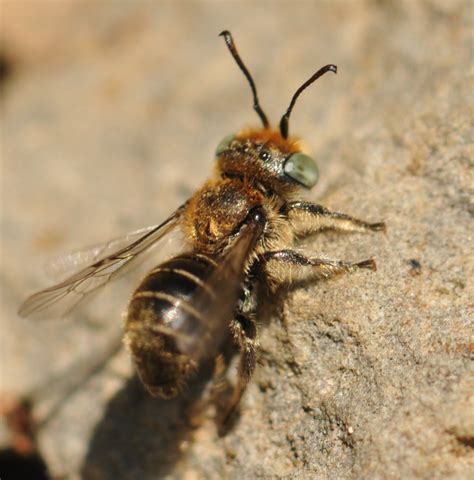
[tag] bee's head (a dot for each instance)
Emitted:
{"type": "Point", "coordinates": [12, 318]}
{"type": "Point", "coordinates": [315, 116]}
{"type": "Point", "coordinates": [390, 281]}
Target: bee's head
{"type": "Point", "coordinates": [266, 155]}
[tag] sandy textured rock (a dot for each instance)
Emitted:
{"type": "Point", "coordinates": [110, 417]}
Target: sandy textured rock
{"type": "Point", "coordinates": [110, 114]}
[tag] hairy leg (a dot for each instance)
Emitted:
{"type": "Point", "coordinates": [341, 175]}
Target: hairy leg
{"type": "Point", "coordinates": [244, 330]}
{"type": "Point", "coordinates": [287, 266]}
{"type": "Point", "coordinates": [309, 217]}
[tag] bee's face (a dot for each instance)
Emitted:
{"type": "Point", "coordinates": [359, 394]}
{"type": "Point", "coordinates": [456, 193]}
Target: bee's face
{"type": "Point", "coordinates": [264, 156]}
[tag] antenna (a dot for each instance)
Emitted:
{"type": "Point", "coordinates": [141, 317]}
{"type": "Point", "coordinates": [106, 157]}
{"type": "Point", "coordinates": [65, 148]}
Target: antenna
{"type": "Point", "coordinates": [284, 120]}
{"type": "Point", "coordinates": [256, 105]}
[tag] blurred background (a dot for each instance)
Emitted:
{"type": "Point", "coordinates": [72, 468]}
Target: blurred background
{"type": "Point", "coordinates": [110, 115]}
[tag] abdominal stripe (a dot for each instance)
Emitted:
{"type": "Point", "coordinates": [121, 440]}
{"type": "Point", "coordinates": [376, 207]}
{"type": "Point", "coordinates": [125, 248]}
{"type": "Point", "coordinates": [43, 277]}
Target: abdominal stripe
{"type": "Point", "coordinates": [184, 273]}
{"type": "Point", "coordinates": [208, 260]}
{"type": "Point", "coordinates": [173, 301]}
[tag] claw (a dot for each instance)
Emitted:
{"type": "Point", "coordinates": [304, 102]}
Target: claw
{"type": "Point", "coordinates": [378, 227]}
{"type": "Point", "coordinates": [368, 264]}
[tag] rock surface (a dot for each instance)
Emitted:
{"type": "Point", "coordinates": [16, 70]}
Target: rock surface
{"type": "Point", "coordinates": [110, 113]}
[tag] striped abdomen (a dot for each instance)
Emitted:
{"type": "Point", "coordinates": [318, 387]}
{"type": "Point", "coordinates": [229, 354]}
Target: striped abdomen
{"type": "Point", "coordinates": [163, 315]}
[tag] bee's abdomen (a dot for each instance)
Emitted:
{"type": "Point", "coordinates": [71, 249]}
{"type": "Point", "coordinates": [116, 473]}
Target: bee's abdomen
{"type": "Point", "coordinates": [161, 309]}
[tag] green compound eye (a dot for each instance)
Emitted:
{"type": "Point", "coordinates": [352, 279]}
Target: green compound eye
{"type": "Point", "coordinates": [224, 144]}
{"type": "Point", "coordinates": [303, 169]}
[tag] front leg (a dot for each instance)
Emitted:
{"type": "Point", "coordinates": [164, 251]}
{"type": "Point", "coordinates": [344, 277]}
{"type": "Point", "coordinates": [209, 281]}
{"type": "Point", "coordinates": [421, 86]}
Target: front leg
{"type": "Point", "coordinates": [309, 217]}
{"type": "Point", "coordinates": [288, 266]}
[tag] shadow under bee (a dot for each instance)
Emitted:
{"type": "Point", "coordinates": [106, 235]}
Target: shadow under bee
{"type": "Point", "coordinates": [140, 436]}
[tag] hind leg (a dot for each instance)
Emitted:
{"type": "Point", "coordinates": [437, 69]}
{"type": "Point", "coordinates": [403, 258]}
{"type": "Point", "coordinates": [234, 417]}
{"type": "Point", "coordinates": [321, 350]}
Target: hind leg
{"type": "Point", "coordinates": [244, 329]}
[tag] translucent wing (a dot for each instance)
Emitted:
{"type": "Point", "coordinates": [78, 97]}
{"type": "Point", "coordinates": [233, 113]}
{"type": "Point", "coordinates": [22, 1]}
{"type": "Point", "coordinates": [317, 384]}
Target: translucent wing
{"type": "Point", "coordinates": [63, 266]}
{"type": "Point", "coordinates": [60, 299]}
{"type": "Point", "coordinates": [216, 300]}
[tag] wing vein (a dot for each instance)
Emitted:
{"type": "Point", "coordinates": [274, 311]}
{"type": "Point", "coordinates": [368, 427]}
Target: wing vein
{"type": "Point", "coordinates": [61, 298]}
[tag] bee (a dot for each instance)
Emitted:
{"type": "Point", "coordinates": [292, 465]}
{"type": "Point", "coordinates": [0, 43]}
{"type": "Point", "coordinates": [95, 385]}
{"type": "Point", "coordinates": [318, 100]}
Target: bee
{"type": "Point", "coordinates": [239, 230]}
